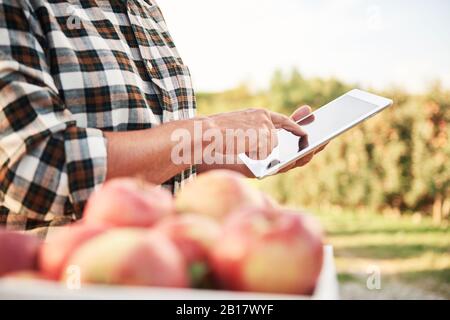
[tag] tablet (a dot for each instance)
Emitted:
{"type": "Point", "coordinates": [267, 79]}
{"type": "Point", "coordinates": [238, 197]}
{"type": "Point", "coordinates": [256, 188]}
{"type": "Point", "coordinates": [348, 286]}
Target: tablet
{"type": "Point", "coordinates": [320, 126]}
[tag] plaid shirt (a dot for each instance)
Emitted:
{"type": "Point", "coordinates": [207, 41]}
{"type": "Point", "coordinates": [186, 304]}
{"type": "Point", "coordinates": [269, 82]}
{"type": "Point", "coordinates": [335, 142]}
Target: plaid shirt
{"type": "Point", "coordinates": [70, 70]}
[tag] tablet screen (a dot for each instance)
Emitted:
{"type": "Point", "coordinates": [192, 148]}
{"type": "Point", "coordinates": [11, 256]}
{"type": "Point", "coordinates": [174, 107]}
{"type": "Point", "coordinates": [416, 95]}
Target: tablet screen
{"type": "Point", "coordinates": [320, 125]}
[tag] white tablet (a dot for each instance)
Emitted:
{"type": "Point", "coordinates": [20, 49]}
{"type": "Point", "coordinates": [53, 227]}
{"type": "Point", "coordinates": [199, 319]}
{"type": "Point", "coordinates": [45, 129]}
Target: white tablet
{"type": "Point", "coordinates": [321, 126]}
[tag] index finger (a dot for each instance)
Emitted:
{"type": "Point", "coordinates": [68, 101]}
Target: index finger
{"type": "Point", "coordinates": [282, 121]}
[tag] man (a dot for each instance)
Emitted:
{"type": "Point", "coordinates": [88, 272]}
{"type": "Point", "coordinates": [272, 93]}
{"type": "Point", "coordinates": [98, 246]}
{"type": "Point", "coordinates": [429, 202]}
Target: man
{"type": "Point", "coordinates": [93, 90]}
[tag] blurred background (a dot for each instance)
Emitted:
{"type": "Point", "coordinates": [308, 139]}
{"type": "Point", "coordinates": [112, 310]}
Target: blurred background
{"type": "Point", "coordinates": [382, 190]}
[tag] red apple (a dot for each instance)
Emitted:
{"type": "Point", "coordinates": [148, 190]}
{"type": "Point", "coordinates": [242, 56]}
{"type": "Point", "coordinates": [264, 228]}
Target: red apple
{"type": "Point", "coordinates": [194, 235]}
{"type": "Point", "coordinates": [25, 275]}
{"type": "Point", "coordinates": [128, 202]}
{"type": "Point", "coordinates": [269, 202]}
{"type": "Point", "coordinates": [217, 193]}
{"type": "Point", "coordinates": [130, 257]}
{"type": "Point", "coordinates": [269, 250]}
{"type": "Point", "coordinates": [18, 252]}
{"type": "Point", "coordinates": [54, 254]}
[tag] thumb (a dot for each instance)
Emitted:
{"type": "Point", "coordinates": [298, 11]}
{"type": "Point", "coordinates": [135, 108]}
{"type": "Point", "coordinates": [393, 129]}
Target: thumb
{"type": "Point", "coordinates": [301, 113]}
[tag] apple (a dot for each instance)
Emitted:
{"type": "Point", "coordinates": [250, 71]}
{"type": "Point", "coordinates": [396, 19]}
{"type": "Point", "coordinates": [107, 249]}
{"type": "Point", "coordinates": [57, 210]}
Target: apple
{"type": "Point", "coordinates": [18, 252]}
{"type": "Point", "coordinates": [194, 235]}
{"type": "Point", "coordinates": [25, 275]}
{"type": "Point", "coordinates": [128, 202]}
{"type": "Point", "coordinates": [269, 202]}
{"type": "Point", "coordinates": [53, 254]}
{"type": "Point", "coordinates": [130, 257]}
{"type": "Point", "coordinates": [268, 250]}
{"type": "Point", "coordinates": [217, 193]}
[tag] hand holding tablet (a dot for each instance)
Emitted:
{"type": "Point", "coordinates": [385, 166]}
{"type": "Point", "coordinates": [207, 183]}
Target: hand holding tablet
{"type": "Point", "coordinates": [321, 126]}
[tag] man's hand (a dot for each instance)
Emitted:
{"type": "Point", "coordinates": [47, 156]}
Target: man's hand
{"type": "Point", "coordinates": [299, 114]}
{"type": "Point", "coordinates": [268, 122]}
{"type": "Point", "coordinates": [261, 125]}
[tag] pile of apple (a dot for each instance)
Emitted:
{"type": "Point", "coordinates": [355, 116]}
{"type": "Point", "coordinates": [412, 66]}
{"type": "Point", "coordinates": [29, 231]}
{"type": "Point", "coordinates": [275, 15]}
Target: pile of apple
{"type": "Point", "coordinates": [217, 233]}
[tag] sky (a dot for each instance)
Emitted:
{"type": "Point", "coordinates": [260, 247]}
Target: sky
{"type": "Point", "coordinates": [374, 44]}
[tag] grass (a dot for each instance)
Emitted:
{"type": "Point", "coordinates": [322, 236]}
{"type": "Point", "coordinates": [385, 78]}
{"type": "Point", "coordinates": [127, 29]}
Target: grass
{"type": "Point", "coordinates": [411, 254]}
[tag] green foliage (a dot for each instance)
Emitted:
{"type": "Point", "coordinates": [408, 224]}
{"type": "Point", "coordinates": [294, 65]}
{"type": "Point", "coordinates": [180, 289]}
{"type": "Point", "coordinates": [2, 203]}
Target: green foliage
{"type": "Point", "coordinates": [398, 160]}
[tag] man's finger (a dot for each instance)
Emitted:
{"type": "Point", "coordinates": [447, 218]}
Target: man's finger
{"type": "Point", "coordinates": [301, 113]}
{"type": "Point", "coordinates": [321, 148]}
{"type": "Point", "coordinates": [289, 167]}
{"type": "Point", "coordinates": [281, 121]}
{"type": "Point", "coordinates": [305, 160]}
{"type": "Point", "coordinates": [309, 119]}
{"type": "Point", "coordinates": [273, 138]}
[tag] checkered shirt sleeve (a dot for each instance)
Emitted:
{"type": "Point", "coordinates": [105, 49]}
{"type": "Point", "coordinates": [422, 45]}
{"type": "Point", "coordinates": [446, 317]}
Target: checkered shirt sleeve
{"type": "Point", "coordinates": [70, 70]}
